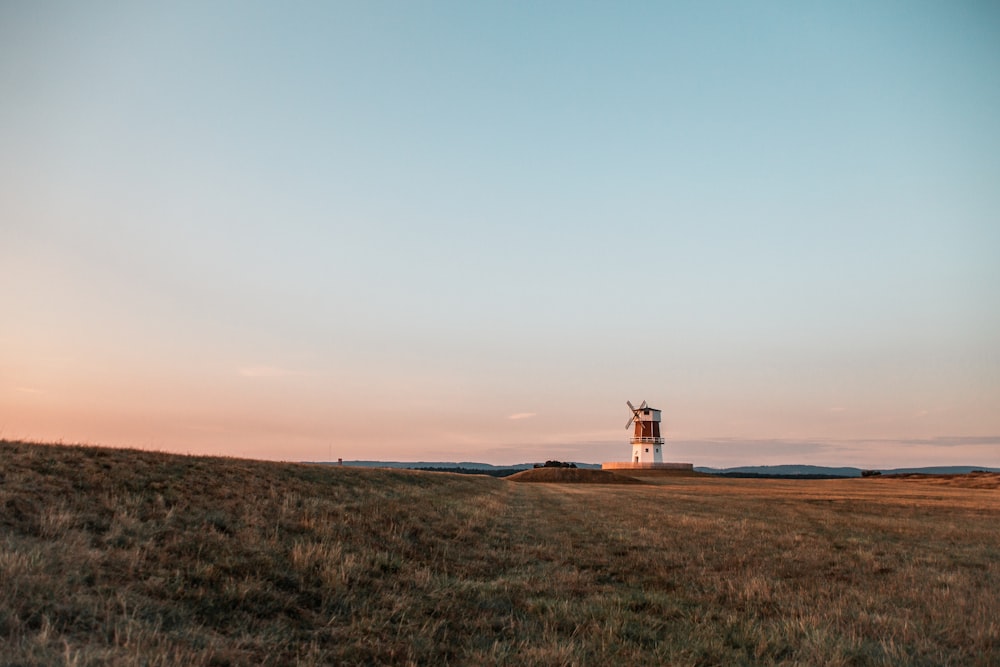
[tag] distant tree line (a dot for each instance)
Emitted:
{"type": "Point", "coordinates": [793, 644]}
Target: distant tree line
{"type": "Point", "coordinates": [555, 464]}
{"type": "Point", "coordinates": [760, 475]}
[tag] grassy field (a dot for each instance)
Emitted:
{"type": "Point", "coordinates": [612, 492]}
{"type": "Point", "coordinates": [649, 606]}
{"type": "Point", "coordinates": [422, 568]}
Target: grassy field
{"type": "Point", "coordinates": [119, 557]}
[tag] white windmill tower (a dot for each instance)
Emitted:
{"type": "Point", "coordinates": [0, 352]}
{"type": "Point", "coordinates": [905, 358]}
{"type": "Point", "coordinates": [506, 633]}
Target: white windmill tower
{"type": "Point", "coordinates": [647, 443]}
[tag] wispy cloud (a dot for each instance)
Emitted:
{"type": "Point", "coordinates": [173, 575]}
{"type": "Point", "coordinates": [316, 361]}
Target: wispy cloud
{"type": "Point", "coordinates": [953, 441]}
{"type": "Point", "coordinates": [522, 415]}
{"type": "Point", "coordinates": [267, 372]}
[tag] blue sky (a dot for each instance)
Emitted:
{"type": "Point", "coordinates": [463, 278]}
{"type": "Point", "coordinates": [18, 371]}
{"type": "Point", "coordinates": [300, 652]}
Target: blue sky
{"type": "Point", "coordinates": [381, 230]}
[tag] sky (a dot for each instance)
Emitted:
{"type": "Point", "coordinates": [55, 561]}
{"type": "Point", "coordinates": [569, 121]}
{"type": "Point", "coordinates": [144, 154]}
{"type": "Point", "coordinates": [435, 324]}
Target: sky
{"type": "Point", "coordinates": [454, 231]}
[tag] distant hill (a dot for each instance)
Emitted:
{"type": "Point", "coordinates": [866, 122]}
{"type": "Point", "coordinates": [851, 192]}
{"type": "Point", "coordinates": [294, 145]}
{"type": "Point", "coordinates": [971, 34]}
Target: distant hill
{"type": "Point", "coordinates": [444, 465]}
{"type": "Point", "coordinates": [825, 471]}
{"type": "Point", "coordinates": [938, 470]}
{"type": "Point", "coordinates": [748, 471]}
{"type": "Point", "coordinates": [411, 465]}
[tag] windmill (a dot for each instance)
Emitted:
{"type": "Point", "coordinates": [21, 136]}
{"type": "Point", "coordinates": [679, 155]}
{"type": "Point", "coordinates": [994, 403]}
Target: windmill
{"type": "Point", "coordinates": [647, 444]}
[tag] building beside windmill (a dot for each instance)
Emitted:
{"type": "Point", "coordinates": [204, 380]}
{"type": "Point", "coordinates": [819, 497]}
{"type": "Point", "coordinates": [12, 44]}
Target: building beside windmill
{"type": "Point", "coordinates": [647, 442]}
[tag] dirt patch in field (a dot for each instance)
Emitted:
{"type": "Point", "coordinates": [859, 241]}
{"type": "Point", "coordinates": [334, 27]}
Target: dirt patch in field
{"type": "Point", "coordinates": [572, 476]}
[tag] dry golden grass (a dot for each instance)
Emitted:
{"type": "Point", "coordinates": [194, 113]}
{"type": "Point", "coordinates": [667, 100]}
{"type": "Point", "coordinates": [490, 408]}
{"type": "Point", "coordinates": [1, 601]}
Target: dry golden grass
{"type": "Point", "coordinates": [572, 476]}
{"type": "Point", "coordinates": [117, 557]}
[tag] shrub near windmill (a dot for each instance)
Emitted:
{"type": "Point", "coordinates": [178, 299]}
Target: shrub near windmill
{"type": "Point", "coordinates": [647, 442]}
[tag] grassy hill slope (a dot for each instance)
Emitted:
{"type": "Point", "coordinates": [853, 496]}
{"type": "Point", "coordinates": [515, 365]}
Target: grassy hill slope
{"type": "Point", "coordinates": [127, 557]}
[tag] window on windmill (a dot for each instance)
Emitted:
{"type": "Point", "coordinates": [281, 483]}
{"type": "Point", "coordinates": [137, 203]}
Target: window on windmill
{"type": "Point", "coordinates": [647, 450]}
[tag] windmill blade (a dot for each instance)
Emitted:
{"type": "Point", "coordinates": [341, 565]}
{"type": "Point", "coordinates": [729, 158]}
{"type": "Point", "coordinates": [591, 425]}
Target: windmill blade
{"type": "Point", "coordinates": [642, 406]}
{"type": "Point", "coordinates": [634, 410]}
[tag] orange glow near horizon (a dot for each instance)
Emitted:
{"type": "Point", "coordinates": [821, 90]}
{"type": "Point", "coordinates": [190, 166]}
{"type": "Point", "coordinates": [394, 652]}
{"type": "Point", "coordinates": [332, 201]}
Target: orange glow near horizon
{"type": "Point", "coordinates": [240, 419]}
